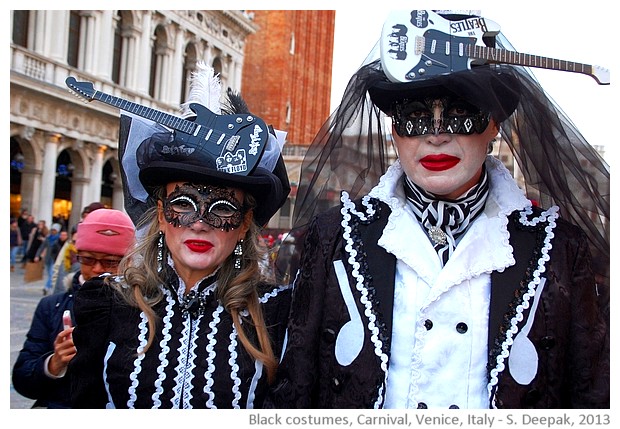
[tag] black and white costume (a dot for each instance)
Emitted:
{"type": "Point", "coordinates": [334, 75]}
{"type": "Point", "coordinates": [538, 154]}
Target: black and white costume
{"type": "Point", "coordinates": [195, 361]}
{"type": "Point", "coordinates": [508, 308]}
{"type": "Point", "coordinates": [377, 321]}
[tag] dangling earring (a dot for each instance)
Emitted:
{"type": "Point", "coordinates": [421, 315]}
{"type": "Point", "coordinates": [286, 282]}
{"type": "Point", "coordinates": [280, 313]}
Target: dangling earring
{"type": "Point", "coordinates": [160, 251]}
{"type": "Point", "coordinates": [238, 254]}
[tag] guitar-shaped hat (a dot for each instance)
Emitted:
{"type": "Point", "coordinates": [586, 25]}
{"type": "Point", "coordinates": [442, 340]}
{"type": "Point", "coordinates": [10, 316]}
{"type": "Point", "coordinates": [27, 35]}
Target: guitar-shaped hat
{"type": "Point", "coordinates": [421, 43]}
{"type": "Point", "coordinates": [235, 149]}
{"type": "Point", "coordinates": [234, 143]}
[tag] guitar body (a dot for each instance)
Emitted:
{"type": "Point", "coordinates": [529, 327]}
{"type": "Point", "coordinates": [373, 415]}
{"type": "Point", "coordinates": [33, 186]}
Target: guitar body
{"type": "Point", "coordinates": [238, 150]}
{"type": "Point", "coordinates": [421, 43]}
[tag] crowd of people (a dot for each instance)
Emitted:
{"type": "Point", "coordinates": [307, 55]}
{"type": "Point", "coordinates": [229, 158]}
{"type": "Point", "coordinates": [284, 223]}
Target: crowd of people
{"type": "Point", "coordinates": [436, 281]}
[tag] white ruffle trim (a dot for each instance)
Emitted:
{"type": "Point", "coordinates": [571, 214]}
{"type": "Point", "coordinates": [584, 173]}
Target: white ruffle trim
{"type": "Point", "coordinates": [211, 356]}
{"type": "Point", "coordinates": [348, 208]}
{"type": "Point", "coordinates": [549, 216]}
{"type": "Point", "coordinates": [138, 361]}
{"type": "Point", "coordinates": [165, 349]}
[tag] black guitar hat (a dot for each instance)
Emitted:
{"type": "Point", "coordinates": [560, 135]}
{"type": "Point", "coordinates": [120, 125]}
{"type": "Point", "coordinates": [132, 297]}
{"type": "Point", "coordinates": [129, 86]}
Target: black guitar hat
{"type": "Point", "coordinates": [229, 148]}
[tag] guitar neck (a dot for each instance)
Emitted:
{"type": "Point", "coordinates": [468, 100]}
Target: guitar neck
{"type": "Point", "coordinates": [504, 56]}
{"type": "Point", "coordinates": [158, 116]}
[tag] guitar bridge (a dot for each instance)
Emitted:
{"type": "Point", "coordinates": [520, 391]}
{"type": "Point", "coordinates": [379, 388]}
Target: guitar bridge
{"type": "Point", "coordinates": [232, 142]}
{"type": "Point", "coordinates": [419, 45]}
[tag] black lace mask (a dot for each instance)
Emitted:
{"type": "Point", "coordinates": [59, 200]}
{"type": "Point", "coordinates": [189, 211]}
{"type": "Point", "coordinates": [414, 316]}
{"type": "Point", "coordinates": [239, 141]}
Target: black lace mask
{"type": "Point", "coordinates": [214, 205]}
{"type": "Point", "coordinates": [435, 116]}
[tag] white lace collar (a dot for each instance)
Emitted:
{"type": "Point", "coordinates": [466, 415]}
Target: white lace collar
{"type": "Point", "coordinates": [489, 232]}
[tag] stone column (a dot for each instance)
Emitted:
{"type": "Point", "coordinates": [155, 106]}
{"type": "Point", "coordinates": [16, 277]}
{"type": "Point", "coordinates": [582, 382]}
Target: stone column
{"type": "Point", "coordinates": [118, 199]}
{"type": "Point", "coordinates": [30, 189]}
{"type": "Point", "coordinates": [176, 69]}
{"type": "Point", "coordinates": [90, 43]}
{"type": "Point", "coordinates": [145, 51]}
{"type": "Point", "coordinates": [55, 39]}
{"type": "Point", "coordinates": [38, 39]}
{"type": "Point", "coordinates": [96, 172]}
{"type": "Point", "coordinates": [105, 43]}
{"type": "Point", "coordinates": [48, 179]}
{"type": "Point", "coordinates": [129, 61]}
{"type": "Point", "coordinates": [79, 189]}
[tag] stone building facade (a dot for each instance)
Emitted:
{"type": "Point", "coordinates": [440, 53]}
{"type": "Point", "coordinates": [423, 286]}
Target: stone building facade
{"type": "Point", "coordinates": [64, 154]}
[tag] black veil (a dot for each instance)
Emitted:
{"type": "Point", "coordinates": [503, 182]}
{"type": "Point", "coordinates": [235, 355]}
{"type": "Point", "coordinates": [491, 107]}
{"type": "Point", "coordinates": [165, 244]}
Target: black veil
{"type": "Point", "coordinates": [559, 167]}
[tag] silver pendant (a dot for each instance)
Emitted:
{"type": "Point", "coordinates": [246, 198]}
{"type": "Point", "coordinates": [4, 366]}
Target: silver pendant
{"type": "Point", "coordinates": [437, 235]}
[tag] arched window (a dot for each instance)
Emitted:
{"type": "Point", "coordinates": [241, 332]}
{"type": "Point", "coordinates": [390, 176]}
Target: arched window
{"type": "Point", "coordinates": [108, 177]}
{"type": "Point", "coordinates": [217, 66]}
{"type": "Point", "coordinates": [62, 190]}
{"type": "Point", "coordinates": [189, 65]}
{"type": "Point", "coordinates": [75, 23]}
{"type": "Point", "coordinates": [20, 27]}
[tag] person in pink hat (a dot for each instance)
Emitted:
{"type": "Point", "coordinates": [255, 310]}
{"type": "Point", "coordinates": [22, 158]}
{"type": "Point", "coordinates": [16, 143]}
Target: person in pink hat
{"type": "Point", "coordinates": [40, 371]}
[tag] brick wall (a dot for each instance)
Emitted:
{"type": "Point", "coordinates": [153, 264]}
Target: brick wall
{"type": "Point", "coordinates": [288, 62]}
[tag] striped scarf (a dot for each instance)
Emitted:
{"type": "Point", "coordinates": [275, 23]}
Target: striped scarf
{"type": "Point", "coordinates": [446, 221]}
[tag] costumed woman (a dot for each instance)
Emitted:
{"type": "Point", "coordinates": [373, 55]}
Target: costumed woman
{"type": "Point", "coordinates": [438, 282]}
{"type": "Point", "coordinates": [190, 322]}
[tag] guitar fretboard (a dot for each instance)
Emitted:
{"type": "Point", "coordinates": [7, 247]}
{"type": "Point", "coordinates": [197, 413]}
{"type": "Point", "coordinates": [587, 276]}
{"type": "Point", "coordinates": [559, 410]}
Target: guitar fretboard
{"type": "Point", "coordinates": [511, 57]}
{"type": "Point", "coordinates": [163, 118]}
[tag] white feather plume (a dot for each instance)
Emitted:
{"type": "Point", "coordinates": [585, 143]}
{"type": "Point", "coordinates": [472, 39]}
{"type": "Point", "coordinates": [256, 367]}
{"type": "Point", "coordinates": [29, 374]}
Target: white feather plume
{"type": "Point", "coordinates": [205, 88]}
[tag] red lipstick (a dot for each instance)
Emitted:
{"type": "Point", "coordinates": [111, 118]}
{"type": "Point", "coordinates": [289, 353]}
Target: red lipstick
{"type": "Point", "coordinates": [439, 162]}
{"type": "Point", "coordinates": [199, 246]}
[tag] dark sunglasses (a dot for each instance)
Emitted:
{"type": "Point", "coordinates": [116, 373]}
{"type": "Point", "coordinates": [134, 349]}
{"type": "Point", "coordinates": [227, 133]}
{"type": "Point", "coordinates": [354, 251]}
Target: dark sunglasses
{"type": "Point", "coordinates": [105, 263]}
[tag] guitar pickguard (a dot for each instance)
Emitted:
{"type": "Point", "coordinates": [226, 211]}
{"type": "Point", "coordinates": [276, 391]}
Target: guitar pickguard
{"type": "Point", "coordinates": [421, 43]}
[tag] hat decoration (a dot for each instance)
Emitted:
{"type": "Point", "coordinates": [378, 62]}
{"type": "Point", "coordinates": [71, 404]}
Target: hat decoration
{"type": "Point", "coordinates": [234, 148]}
{"type": "Point", "coordinates": [217, 142]}
{"type": "Point", "coordinates": [434, 52]}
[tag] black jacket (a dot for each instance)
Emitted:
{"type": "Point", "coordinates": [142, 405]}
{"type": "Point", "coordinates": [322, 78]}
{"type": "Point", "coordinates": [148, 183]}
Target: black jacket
{"type": "Point", "coordinates": [29, 378]}
{"type": "Point", "coordinates": [196, 360]}
{"type": "Point", "coordinates": [569, 335]}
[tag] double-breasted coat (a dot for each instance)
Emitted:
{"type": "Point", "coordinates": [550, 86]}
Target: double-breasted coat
{"type": "Point", "coordinates": [511, 321]}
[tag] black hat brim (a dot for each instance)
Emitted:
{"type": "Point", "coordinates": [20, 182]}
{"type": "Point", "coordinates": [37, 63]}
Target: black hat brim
{"type": "Point", "coordinates": [269, 189]}
{"type": "Point", "coordinates": [491, 89]}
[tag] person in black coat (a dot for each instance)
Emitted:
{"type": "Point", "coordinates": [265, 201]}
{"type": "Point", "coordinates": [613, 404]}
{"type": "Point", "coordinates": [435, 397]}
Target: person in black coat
{"type": "Point", "coordinates": [441, 281]}
{"type": "Point", "coordinates": [40, 371]}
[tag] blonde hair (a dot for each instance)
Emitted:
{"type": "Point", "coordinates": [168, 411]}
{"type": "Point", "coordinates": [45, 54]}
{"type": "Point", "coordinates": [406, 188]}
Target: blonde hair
{"type": "Point", "coordinates": [236, 288]}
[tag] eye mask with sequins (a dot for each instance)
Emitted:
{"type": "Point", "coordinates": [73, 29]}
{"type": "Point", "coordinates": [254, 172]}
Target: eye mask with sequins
{"type": "Point", "coordinates": [214, 205]}
{"type": "Point", "coordinates": [435, 116]}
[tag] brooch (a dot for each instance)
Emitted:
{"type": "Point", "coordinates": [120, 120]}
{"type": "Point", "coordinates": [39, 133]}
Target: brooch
{"type": "Point", "coordinates": [193, 304]}
{"type": "Point", "coordinates": [437, 235]}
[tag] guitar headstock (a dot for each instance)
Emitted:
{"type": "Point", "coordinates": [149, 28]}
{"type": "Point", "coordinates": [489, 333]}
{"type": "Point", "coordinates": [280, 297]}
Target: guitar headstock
{"type": "Point", "coordinates": [84, 90]}
{"type": "Point", "coordinates": [601, 75]}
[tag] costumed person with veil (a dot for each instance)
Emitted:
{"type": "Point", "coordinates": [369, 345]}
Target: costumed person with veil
{"type": "Point", "coordinates": [189, 322]}
{"type": "Point", "coordinates": [437, 281]}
